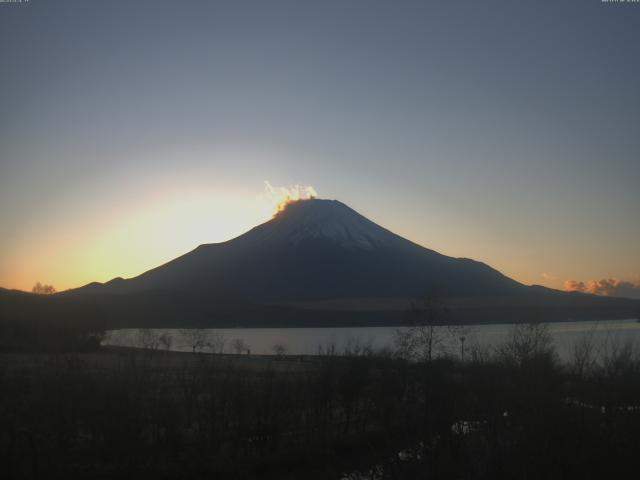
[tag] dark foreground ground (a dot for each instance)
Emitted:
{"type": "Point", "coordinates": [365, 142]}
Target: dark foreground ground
{"type": "Point", "coordinates": [513, 413]}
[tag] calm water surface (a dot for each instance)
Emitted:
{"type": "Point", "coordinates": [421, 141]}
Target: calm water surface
{"type": "Point", "coordinates": [309, 341]}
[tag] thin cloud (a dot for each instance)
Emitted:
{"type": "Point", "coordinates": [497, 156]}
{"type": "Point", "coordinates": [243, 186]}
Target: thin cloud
{"type": "Point", "coordinates": [292, 193]}
{"type": "Point", "coordinates": [280, 197]}
{"type": "Point", "coordinates": [608, 287]}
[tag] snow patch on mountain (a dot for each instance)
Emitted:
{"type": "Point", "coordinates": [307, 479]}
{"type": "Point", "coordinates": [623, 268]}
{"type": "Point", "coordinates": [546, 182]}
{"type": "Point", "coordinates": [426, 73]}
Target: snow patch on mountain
{"type": "Point", "coordinates": [319, 219]}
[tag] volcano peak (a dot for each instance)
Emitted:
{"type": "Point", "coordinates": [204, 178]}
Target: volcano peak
{"type": "Point", "coordinates": [322, 219]}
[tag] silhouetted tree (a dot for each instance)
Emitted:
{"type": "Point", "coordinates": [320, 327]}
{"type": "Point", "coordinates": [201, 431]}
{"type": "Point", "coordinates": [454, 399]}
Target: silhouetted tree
{"type": "Point", "coordinates": [528, 342]}
{"type": "Point", "coordinates": [166, 341]}
{"type": "Point", "coordinates": [149, 339]}
{"type": "Point", "coordinates": [216, 342]}
{"type": "Point", "coordinates": [421, 340]}
{"type": "Point", "coordinates": [239, 345]}
{"type": "Point", "coordinates": [279, 349]}
{"type": "Point", "coordinates": [41, 289]}
{"type": "Point", "coordinates": [196, 338]}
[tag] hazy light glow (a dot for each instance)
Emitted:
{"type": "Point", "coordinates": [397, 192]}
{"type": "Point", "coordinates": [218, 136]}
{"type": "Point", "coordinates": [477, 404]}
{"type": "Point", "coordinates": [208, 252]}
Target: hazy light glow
{"type": "Point", "coordinates": [132, 239]}
{"type": "Point", "coordinates": [506, 132]}
{"type": "Point", "coordinates": [280, 197]}
{"type": "Point", "coordinates": [141, 235]}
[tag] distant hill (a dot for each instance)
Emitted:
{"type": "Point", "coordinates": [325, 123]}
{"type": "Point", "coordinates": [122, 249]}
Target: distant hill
{"type": "Point", "coordinates": [31, 322]}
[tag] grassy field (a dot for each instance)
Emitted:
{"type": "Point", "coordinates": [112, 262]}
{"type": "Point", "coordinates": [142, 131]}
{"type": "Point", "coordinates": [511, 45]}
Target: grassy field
{"type": "Point", "coordinates": [512, 413]}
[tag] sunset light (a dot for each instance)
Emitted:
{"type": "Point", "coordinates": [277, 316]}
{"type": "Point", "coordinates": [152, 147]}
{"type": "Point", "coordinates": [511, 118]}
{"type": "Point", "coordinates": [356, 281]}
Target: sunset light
{"type": "Point", "coordinates": [280, 197]}
{"type": "Point", "coordinates": [138, 232]}
{"type": "Point", "coordinates": [178, 301]}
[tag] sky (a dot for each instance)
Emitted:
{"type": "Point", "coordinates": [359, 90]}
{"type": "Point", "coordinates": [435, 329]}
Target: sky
{"type": "Point", "coordinates": [133, 131]}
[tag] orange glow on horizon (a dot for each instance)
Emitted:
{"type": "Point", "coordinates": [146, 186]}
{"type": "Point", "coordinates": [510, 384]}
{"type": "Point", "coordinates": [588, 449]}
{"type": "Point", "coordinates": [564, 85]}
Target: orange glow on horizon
{"type": "Point", "coordinates": [136, 233]}
{"type": "Point", "coordinates": [140, 229]}
{"type": "Point", "coordinates": [128, 239]}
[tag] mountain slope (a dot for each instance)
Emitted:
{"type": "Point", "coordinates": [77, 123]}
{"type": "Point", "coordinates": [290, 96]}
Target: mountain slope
{"type": "Point", "coordinates": [318, 262]}
{"type": "Point", "coordinates": [318, 249]}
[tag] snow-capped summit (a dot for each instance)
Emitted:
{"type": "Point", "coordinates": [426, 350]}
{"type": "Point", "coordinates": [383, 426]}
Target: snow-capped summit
{"type": "Point", "coordinates": [322, 220]}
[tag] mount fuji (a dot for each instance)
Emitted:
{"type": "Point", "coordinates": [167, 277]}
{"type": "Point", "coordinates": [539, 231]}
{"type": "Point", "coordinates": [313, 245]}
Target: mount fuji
{"type": "Point", "coordinates": [317, 250]}
{"type": "Point", "coordinates": [319, 262]}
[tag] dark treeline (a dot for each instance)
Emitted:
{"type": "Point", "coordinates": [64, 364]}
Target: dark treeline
{"type": "Point", "coordinates": [513, 412]}
{"type": "Point", "coordinates": [47, 323]}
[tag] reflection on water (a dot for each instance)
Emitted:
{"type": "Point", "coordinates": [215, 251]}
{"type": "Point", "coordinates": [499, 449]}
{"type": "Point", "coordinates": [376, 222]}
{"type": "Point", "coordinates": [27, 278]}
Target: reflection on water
{"type": "Point", "coordinates": [311, 341]}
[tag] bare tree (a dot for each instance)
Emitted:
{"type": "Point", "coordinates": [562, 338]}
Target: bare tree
{"type": "Point", "coordinates": [584, 355]}
{"type": "Point", "coordinates": [41, 289]}
{"type": "Point", "coordinates": [421, 340]}
{"type": "Point", "coordinates": [196, 338]}
{"type": "Point", "coordinates": [216, 342]}
{"type": "Point", "coordinates": [280, 349]}
{"type": "Point", "coordinates": [528, 341]}
{"type": "Point", "coordinates": [239, 345]}
{"type": "Point", "coordinates": [166, 341]}
{"type": "Point", "coordinates": [148, 339]}
{"type": "Point", "coordinates": [356, 347]}
{"type": "Point", "coordinates": [618, 357]}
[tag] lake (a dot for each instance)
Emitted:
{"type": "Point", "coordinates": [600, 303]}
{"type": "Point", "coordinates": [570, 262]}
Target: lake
{"type": "Point", "coordinates": [311, 341]}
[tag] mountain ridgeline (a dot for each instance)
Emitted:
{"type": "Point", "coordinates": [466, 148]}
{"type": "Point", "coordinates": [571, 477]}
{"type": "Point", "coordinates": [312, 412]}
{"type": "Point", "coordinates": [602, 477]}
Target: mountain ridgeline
{"type": "Point", "coordinates": [318, 262]}
{"type": "Point", "coordinates": [317, 250]}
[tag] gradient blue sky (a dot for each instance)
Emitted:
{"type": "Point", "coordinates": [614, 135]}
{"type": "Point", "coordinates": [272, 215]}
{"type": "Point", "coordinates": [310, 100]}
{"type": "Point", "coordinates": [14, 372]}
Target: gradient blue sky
{"type": "Point", "coordinates": [132, 131]}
